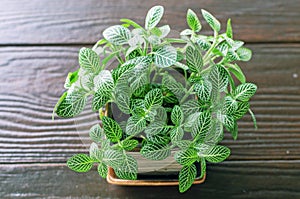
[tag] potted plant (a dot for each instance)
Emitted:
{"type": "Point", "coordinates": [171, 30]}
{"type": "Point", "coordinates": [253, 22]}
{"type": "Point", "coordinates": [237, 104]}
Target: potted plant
{"type": "Point", "coordinates": [152, 108]}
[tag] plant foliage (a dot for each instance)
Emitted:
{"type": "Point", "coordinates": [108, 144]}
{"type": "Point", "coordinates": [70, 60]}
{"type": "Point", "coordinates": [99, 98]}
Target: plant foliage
{"type": "Point", "coordinates": [188, 114]}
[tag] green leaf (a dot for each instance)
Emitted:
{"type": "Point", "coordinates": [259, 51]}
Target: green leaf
{"type": "Point", "coordinates": [128, 169]}
{"type": "Point", "coordinates": [153, 17]}
{"type": "Point", "coordinates": [174, 86]}
{"type": "Point", "coordinates": [194, 59]}
{"type": "Point", "coordinates": [113, 158]}
{"type": "Point", "coordinates": [176, 134]}
{"type": "Point", "coordinates": [130, 22]}
{"type": "Point", "coordinates": [190, 107]}
{"type": "Point", "coordinates": [245, 91]}
{"type": "Point", "coordinates": [153, 98]}
{"type": "Point", "coordinates": [227, 120]}
{"type": "Point", "coordinates": [184, 144]}
{"type": "Point", "coordinates": [71, 103]}
{"type": "Point", "coordinates": [186, 177]}
{"type": "Point", "coordinates": [96, 133]}
{"type": "Point", "coordinates": [190, 121]}
{"type": "Point", "coordinates": [155, 151]}
{"type": "Point", "coordinates": [129, 145]}
{"type": "Point", "coordinates": [135, 125]}
{"type": "Point", "coordinates": [186, 157]}
{"type": "Point", "coordinates": [89, 60]}
{"type": "Point", "coordinates": [165, 30]}
{"type": "Point", "coordinates": [211, 20]}
{"type": "Point", "coordinates": [165, 56]}
{"type": "Point", "coordinates": [117, 35]}
{"type": "Point", "coordinates": [112, 129]}
{"type": "Point", "coordinates": [71, 78]}
{"type": "Point", "coordinates": [99, 100]}
{"type": "Point", "coordinates": [95, 153]}
{"type": "Point", "coordinates": [104, 82]}
{"type": "Point", "coordinates": [229, 29]}
{"type": "Point", "coordinates": [80, 163]}
{"type": "Point", "coordinates": [193, 21]}
{"type": "Point", "coordinates": [102, 170]}
{"type": "Point", "coordinates": [238, 73]}
{"type": "Point", "coordinates": [155, 127]}
{"type": "Point", "coordinates": [215, 135]}
{"type": "Point", "coordinates": [202, 126]}
{"type": "Point", "coordinates": [242, 108]}
{"type": "Point", "coordinates": [203, 43]}
{"type": "Point", "coordinates": [177, 115]}
{"type": "Point", "coordinates": [244, 54]}
{"type": "Point", "coordinates": [217, 154]}
{"type": "Point", "coordinates": [123, 102]}
{"type": "Point", "coordinates": [219, 78]}
{"type": "Point", "coordinates": [161, 114]}
{"type": "Point", "coordinates": [230, 105]}
{"type": "Point", "coordinates": [203, 90]}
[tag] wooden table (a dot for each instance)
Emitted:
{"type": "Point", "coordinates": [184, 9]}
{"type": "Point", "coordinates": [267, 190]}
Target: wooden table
{"type": "Point", "coordinates": [39, 42]}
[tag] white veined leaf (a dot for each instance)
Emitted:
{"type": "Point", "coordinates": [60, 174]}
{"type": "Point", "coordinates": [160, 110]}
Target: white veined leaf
{"type": "Point", "coordinates": [217, 154]}
{"type": "Point", "coordinates": [221, 49]}
{"type": "Point", "coordinates": [229, 29]}
{"type": "Point", "coordinates": [161, 139]}
{"type": "Point", "coordinates": [219, 78]}
{"type": "Point", "coordinates": [230, 105]}
{"type": "Point", "coordinates": [71, 103]}
{"type": "Point", "coordinates": [186, 32]}
{"type": "Point", "coordinates": [190, 121]}
{"type": "Point", "coordinates": [112, 129]}
{"type": "Point", "coordinates": [227, 120]}
{"type": "Point", "coordinates": [153, 98]}
{"type": "Point", "coordinates": [129, 144]}
{"type": "Point", "coordinates": [193, 21]}
{"type": "Point", "coordinates": [242, 108]}
{"type": "Point", "coordinates": [85, 79]}
{"type": "Point", "coordinates": [80, 163]}
{"type": "Point", "coordinates": [100, 99]}
{"type": "Point", "coordinates": [117, 35]}
{"type": "Point", "coordinates": [123, 102]}
{"type": "Point", "coordinates": [184, 144]}
{"type": "Point", "coordinates": [202, 126]}
{"type": "Point", "coordinates": [190, 107]}
{"type": "Point", "coordinates": [161, 114]}
{"type": "Point", "coordinates": [96, 133]}
{"type": "Point", "coordinates": [154, 40]}
{"type": "Point", "coordinates": [104, 81]}
{"type": "Point", "coordinates": [237, 71]}
{"type": "Point", "coordinates": [139, 82]}
{"type": "Point", "coordinates": [231, 55]}
{"type": "Point", "coordinates": [244, 91]}
{"type": "Point", "coordinates": [154, 151]}
{"type": "Point", "coordinates": [135, 125]}
{"type": "Point", "coordinates": [113, 158]}
{"type": "Point", "coordinates": [89, 60]}
{"type": "Point", "coordinates": [194, 59]}
{"type": "Point", "coordinates": [202, 149]}
{"type": "Point", "coordinates": [186, 177]}
{"type": "Point", "coordinates": [102, 170]}
{"type": "Point", "coordinates": [95, 153]}
{"type": "Point", "coordinates": [128, 169]}
{"type": "Point", "coordinates": [165, 30]}
{"type": "Point", "coordinates": [215, 135]}
{"type": "Point", "coordinates": [211, 20]}
{"type": "Point", "coordinates": [186, 157]}
{"type": "Point", "coordinates": [165, 56]}
{"type": "Point", "coordinates": [244, 54]}
{"type": "Point", "coordinates": [155, 127]}
{"type": "Point", "coordinates": [153, 17]}
{"type": "Point", "coordinates": [174, 86]}
{"type": "Point", "coordinates": [177, 115]}
{"type": "Point", "coordinates": [135, 41]}
{"type": "Point", "coordinates": [203, 43]}
{"type": "Point", "coordinates": [176, 134]}
{"type": "Point", "coordinates": [203, 90]}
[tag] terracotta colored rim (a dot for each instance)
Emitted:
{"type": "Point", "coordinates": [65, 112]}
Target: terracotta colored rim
{"type": "Point", "coordinates": [113, 179]}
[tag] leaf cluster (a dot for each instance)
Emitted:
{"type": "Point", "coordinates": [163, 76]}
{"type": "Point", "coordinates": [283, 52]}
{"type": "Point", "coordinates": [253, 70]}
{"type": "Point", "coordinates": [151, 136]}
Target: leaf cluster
{"type": "Point", "coordinates": [187, 116]}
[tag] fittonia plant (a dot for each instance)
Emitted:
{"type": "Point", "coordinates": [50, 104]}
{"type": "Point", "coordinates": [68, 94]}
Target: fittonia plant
{"type": "Point", "coordinates": [187, 116]}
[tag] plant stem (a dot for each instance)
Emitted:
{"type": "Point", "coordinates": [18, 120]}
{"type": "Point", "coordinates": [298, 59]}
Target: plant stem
{"type": "Point", "coordinates": [206, 56]}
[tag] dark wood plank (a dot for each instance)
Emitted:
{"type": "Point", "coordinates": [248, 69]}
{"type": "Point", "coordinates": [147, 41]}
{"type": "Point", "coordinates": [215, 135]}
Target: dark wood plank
{"type": "Point", "coordinates": [63, 21]}
{"type": "Point", "coordinates": [32, 80]}
{"type": "Point", "coordinates": [227, 180]}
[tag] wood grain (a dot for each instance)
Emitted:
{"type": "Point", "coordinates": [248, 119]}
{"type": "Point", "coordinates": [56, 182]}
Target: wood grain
{"type": "Point", "coordinates": [65, 22]}
{"type": "Point", "coordinates": [32, 80]}
{"type": "Point", "coordinates": [248, 179]}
